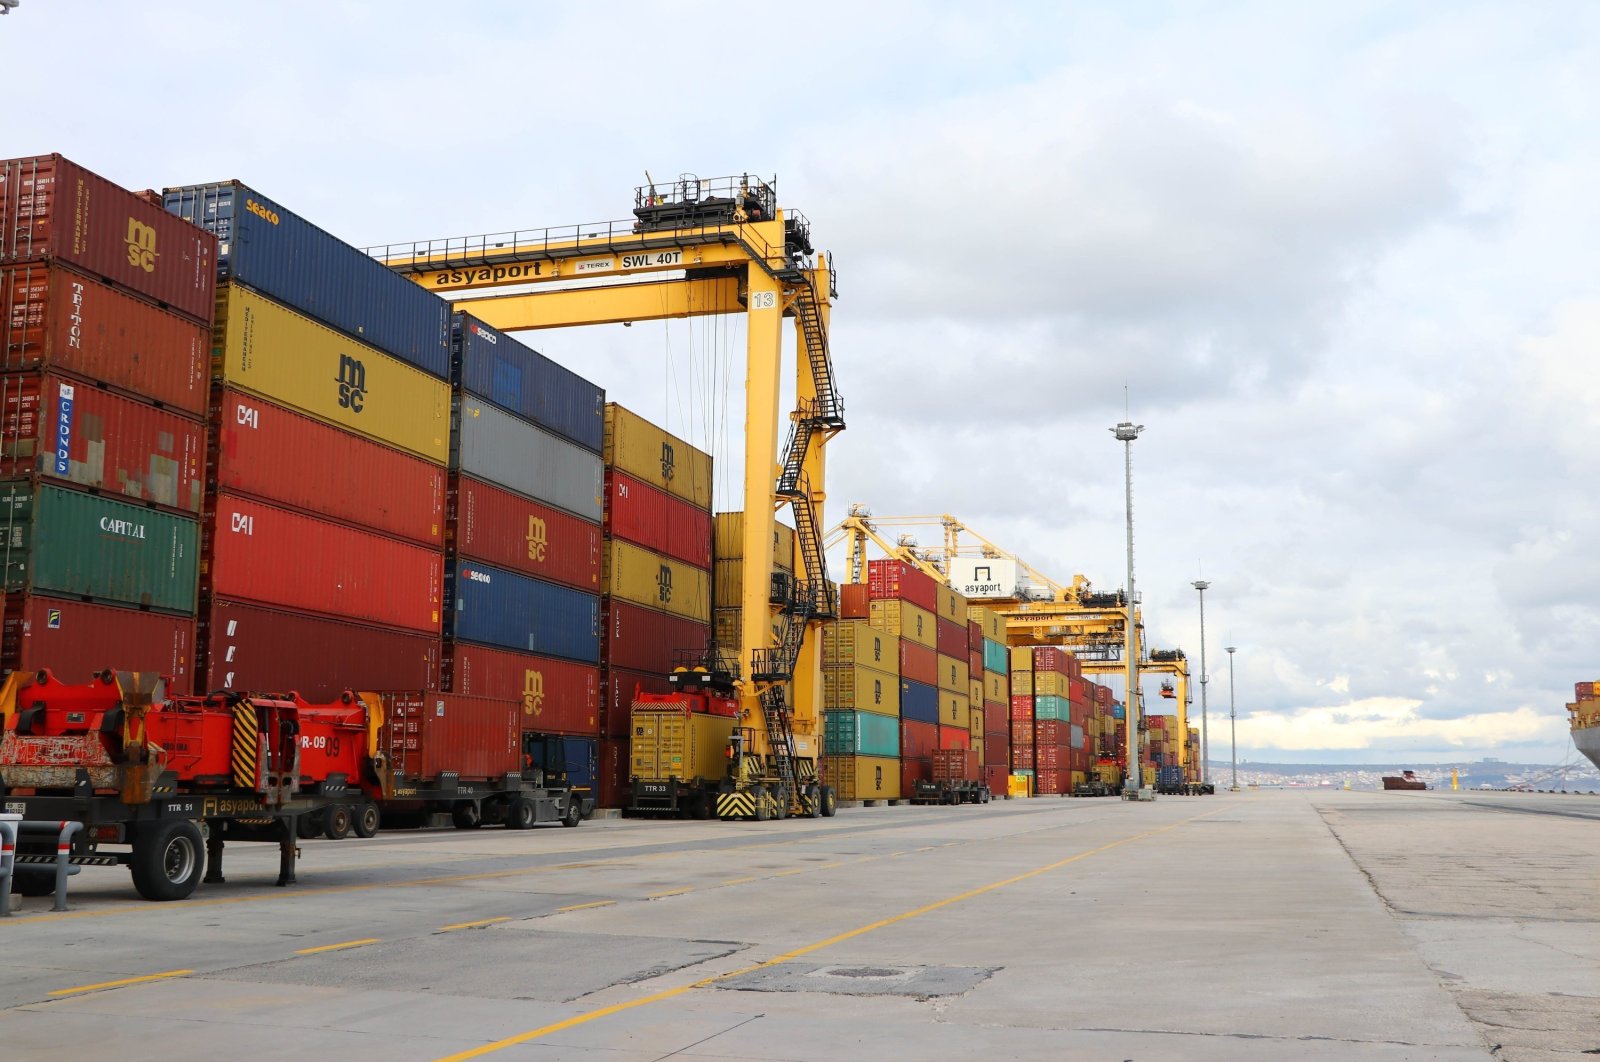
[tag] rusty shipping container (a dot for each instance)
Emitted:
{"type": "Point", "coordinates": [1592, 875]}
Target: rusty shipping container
{"type": "Point", "coordinates": [642, 639]}
{"type": "Point", "coordinates": [54, 318]}
{"type": "Point", "coordinates": [557, 696]}
{"type": "Point", "coordinates": [53, 208]}
{"type": "Point", "coordinates": [57, 428]}
{"type": "Point", "coordinates": [431, 734]}
{"type": "Point", "coordinates": [76, 639]}
{"type": "Point", "coordinates": [510, 531]}
{"type": "Point", "coordinates": [246, 647]}
{"type": "Point", "coordinates": [272, 556]}
{"type": "Point", "coordinates": [639, 513]}
{"type": "Point", "coordinates": [274, 454]}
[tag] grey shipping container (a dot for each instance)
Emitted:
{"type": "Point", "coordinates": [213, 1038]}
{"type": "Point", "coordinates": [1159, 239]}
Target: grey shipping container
{"type": "Point", "coordinates": [517, 378]}
{"type": "Point", "coordinates": [490, 444]}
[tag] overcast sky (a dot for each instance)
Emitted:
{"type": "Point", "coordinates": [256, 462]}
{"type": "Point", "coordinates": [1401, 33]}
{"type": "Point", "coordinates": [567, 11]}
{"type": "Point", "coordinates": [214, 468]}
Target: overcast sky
{"type": "Point", "coordinates": [1342, 255]}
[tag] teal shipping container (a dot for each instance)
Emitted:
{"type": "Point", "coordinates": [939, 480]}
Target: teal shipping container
{"type": "Point", "coordinates": [1047, 706]}
{"type": "Point", "coordinates": [860, 734]}
{"type": "Point", "coordinates": [68, 543]}
{"type": "Point", "coordinates": [995, 658]}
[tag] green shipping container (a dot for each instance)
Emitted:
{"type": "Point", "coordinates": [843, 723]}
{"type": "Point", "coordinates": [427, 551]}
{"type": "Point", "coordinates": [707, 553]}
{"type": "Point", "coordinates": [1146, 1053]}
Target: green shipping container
{"type": "Point", "coordinates": [65, 542]}
{"type": "Point", "coordinates": [860, 734]}
{"type": "Point", "coordinates": [1048, 707]}
{"type": "Point", "coordinates": [994, 657]}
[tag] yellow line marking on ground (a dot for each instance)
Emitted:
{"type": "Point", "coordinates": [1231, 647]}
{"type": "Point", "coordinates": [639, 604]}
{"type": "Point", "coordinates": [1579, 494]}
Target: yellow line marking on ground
{"type": "Point", "coordinates": [829, 866]}
{"type": "Point", "coordinates": [340, 946]}
{"type": "Point", "coordinates": [671, 993]}
{"type": "Point", "coordinates": [929, 848]}
{"type": "Point", "coordinates": [673, 892]}
{"type": "Point", "coordinates": [786, 873]}
{"type": "Point", "coordinates": [736, 881]}
{"type": "Point", "coordinates": [586, 906]}
{"type": "Point", "coordinates": [121, 983]}
{"type": "Point", "coordinates": [473, 925]}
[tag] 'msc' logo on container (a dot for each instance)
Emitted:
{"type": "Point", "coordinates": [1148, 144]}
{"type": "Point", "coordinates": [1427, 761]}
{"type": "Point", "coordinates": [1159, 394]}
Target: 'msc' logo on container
{"type": "Point", "coordinates": [64, 429]}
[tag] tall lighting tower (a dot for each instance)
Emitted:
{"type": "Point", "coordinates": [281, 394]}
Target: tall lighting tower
{"type": "Point", "coordinates": [1233, 715]}
{"type": "Point", "coordinates": [1205, 728]}
{"type": "Point", "coordinates": [1125, 433]}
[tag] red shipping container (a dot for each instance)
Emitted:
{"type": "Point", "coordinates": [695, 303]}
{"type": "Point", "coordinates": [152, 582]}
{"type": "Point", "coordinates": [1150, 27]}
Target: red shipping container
{"type": "Point", "coordinates": [617, 687]}
{"type": "Point", "coordinates": [1021, 707]}
{"type": "Point", "coordinates": [996, 716]}
{"type": "Point", "coordinates": [262, 553]}
{"type": "Point", "coordinates": [912, 772]}
{"type": "Point", "coordinates": [854, 602]}
{"type": "Point", "coordinates": [53, 208]}
{"type": "Point", "coordinates": [53, 318]}
{"type": "Point", "coordinates": [998, 778]}
{"type": "Point", "coordinates": [918, 739]}
{"type": "Point", "coordinates": [954, 737]}
{"type": "Point", "coordinates": [1022, 757]}
{"type": "Point", "coordinates": [918, 662]}
{"type": "Point", "coordinates": [1050, 658]}
{"type": "Point", "coordinates": [1102, 694]}
{"type": "Point", "coordinates": [1022, 733]}
{"type": "Point", "coordinates": [425, 735]}
{"type": "Point", "coordinates": [498, 527]}
{"type": "Point", "coordinates": [245, 647]}
{"type": "Point", "coordinates": [642, 639]}
{"type": "Point", "coordinates": [1048, 757]}
{"type": "Point", "coordinates": [612, 787]}
{"type": "Point", "coordinates": [1078, 759]}
{"type": "Point", "coordinates": [1051, 732]}
{"type": "Point", "coordinates": [63, 429]}
{"type": "Point", "coordinates": [957, 765]}
{"type": "Point", "coordinates": [997, 750]}
{"type": "Point", "coordinates": [1047, 782]}
{"type": "Point", "coordinates": [639, 513]}
{"type": "Point", "coordinates": [951, 638]}
{"type": "Point", "coordinates": [276, 455]}
{"type": "Point", "coordinates": [975, 638]}
{"type": "Point", "coordinates": [557, 696]}
{"type": "Point", "coordinates": [904, 582]}
{"type": "Point", "coordinates": [76, 640]}
{"type": "Point", "coordinates": [975, 664]}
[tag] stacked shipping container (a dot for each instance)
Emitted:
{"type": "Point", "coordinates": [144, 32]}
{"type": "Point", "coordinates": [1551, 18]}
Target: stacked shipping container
{"type": "Point", "coordinates": [105, 312]}
{"type": "Point", "coordinates": [1048, 729]}
{"type": "Point", "coordinates": [862, 731]}
{"type": "Point", "coordinates": [994, 682]}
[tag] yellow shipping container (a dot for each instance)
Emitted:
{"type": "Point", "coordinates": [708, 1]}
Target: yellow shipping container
{"type": "Point", "coordinates": [953, 674]}
{"type": "Point", "coordinates": [727, 540]}
{"type": "Point", "coordinates": [726, 627]}
{"type": "Point", "coordinates": [993, 624]}
{"type": "Point", "coordinates": [975, 691]}
{"type": "Point", "coordinates": [273, 352]}
{"type": "Point", "coordinates": [861, 688]}
{"type": "Point", "coordinates": [996, 687]}
{"type": "Point", "coordinates": [862, 777]}
{"type": "Point", "coordinates": [976, 729]}
{"type": "Point", "coordinates": [904, 620]}
{"type": "Point", "coordinates": [952, 606]}
{"type": "Point", "coordinates": [648, 453]}
{"type": "Point", "coordinates": [858, 642]}
{"type": "Point", "coordinates": [1021, 658]}
{"type": "Point", "coordinates": [685, 745]}
{"type": "Point", "coordinates": [1019, 786]}
{"type": "Point", "coordinates": [1049, 684]}
{"type": "Point", "coordinates": [977, 745]}
{"type": "Point", "coordinates": [634, 574]}
{"type": "Point", "coordinates": [955, 710]}
{"type": "Point", "coordinates": [1022, 684]}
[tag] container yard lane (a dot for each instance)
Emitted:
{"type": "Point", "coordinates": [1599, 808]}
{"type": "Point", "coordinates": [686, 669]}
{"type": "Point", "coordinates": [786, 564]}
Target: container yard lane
{"type": "Point", "coordinates": [1258, 925]}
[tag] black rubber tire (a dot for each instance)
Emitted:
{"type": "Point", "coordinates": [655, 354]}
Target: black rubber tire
{"type": "Point", "coordinates": [466, 816]}
{"type": "Point", "coordinates": [704, 804]}
{"type": "Point", "coordinates": [760, 795]}
{"type": "Point", "coordinates": [521, 814]}
{"type": "Point", "coordinates": [367, 820]}
{"type": "Point", "coordinates": [830, 804]}
{"type": "Point", "coordinates": [814, 802]}
{"type": "Point", "coordinates": [780, 802]}
{"type": "Point", "coordinates": [337, 821]}
{"type": "Point", "coordinates": [169, 859]}
{"type": "Point", "coordinates": [308, 826]}
{"type": "Point", "coordinates": [574, 813]}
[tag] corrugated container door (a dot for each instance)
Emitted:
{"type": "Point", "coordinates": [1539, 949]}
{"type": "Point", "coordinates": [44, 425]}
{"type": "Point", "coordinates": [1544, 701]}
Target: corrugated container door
{"type": "Point", "coordinates": [862, 689]}
{"type": "Point", "coordinates": [492, 445]}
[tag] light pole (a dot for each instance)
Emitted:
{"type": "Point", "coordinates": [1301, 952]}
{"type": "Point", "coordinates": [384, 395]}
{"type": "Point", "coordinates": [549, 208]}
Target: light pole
{"type": "Point", "coordinates": [1233, 727]}
{"type": "Point", "coordinates": [1205, 728]}
{"type": "Point", "coordinates": [1125, 433]}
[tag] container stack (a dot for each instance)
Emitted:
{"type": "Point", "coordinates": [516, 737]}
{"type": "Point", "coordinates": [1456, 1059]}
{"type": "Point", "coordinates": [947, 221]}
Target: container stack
{"type": "Point", "coordinates": [952, 640]}
{"type": "Point", "coordinates": [1041, 716]}
{"type": "Point", "coordinates": [902, 603]}
{"type": "Point", "coordinates": [1192, 755]}
{"type": "Point", "coordinates": [727, 579]}
{"type": "Point", "coordinates": [861, 710]}
{"type": "Point", "coordinates": [322, 532]}
{"type": "Point", "coordinates": [105, 313]}
{"type": "Point", "coordinates": [995, 682]}
{"type": "Point", "coordinates": [1079, 711]}
{"type": "Point", "coordinates": [522, 571]}
{"type": "Point", "coordinates": [656, 565]}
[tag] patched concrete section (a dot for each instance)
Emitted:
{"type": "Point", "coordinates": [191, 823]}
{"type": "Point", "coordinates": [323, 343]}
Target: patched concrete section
{"type": "Point", "coordinates": [493, 963]}
{"type": "Point", "coordinates": [863, 979]}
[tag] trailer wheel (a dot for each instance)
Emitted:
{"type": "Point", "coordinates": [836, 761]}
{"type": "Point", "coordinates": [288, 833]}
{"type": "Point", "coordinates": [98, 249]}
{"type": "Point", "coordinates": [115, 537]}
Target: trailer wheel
{"type": "Point", "coordinates": [169, 859]}
{"type": "Point", "coordinates": [830, 805]}
{"type": "Point", "coordinates": [814, 802]}
{"type": "Point", "coordinates": [984, 795]}
{"type": "Point", "coordinates": [466, 816]}
{"type": "Point", "coordinates": [337, 822]}
{"type": "Point", "coordinates": [521, 814]}
{"type": "Point", "coordinates": [759, 793]}
{"type": "Point", "coordinates": [367, 821]}
{"type": "Point", "coordinates": [308, 825]}
{"type": "Point", "coordinates": [574, 814]}
{"type": "Point", "coordinates": [780, 802]}
{"type": "Point", "coordinates": [702, 806]}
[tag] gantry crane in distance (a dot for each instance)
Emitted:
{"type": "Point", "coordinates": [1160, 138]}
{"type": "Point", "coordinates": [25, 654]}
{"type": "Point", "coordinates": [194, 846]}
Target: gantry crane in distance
{"type": "Point", "coordinates": [858, 527]}
{"type": "Point", "coordinates": [694, 248]}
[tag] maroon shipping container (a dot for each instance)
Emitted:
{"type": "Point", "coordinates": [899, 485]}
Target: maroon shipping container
{"type": "Point", "coordinates": [639, 513]}
{"type": "Point", "coordinates": [918, 739]}
{"type": "Point", "coordinates": [557, 696]}
{"type": "Point", "coordinates": [617, 687]}
{"type": "Point", "coordinates": [505, 529]}
{"type": "Point", "coordinates": [245, 647]}
{"type": "Point", "coordinates": [954, 737]}
{"type": "Point", "coordinates": [76, 640]}
{"type": "Point", "coordinates": [975, 664]}
{"type": "Point", "coordinates": [63, 429]}
{"type": "Point", "coordinates": [904, 582]}
{"type": "Point", "coordinates": [999, 778]}
{"type": "Point", "coordinates": [1049, 757]}
{"type": "Point", "coordinates": [612, 788]}
{"type": "Point", "coordinates": [997, 750]}
{"type": "Point", "coordinates": [276, 455]}
{"type": "Point", "coordinates": [1021, 706]}
{"type": "Point", "coordinates": [951, 638]}
{"type": "Point", "coordinates": [1022, 757]}
{"type": "Point", "coordinates": [953, 764]}
{"type": "Point", "coordinates": [262, 553]}
{"type": "Point", "coordinates": [1102, 694]}
{"type": "Point", "coordinates": [975, 638]}
{"type": "Point", "coordinates": [918, 662]}
{"type": "Point", "coordinates": [854, 602]}
{"type": "Point", "coordinates": [1078, 759]}
{"type": "Point", "coordinates": [1051, 658]}
{"type": "Point", "coordinates": [996, 717]}
{"type": "Point", "coordinates": [1051, 732]}
{"type": "Point", "coordinates": [51, 317]}
{"type": "Point", "coordinates": [426, 735]}
{"type": "Point", "coordinates": [1047, 782]}
{"type": "Point", "coordinates": [1022, 733]}
{"type": "Point", "coordinates": [642, 639]}
{"type": "Point", "coordinates": [53, 208]}
{"type": "Point", "coordinates": [912, 772]}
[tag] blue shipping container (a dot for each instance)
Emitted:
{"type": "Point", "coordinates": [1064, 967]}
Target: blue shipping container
{"type": "Point", "coordinates": [860, 734]}
{"type": "Point", "coordinates": [267, 248]}
{"type": "Point", "coordinates": [520, 380]}
{"type": "Point", "coordinates": [919, 702]}
{"type": "Point", "coordinates": [995, 657]}
{"type": "Point", "coordinates": [1049, 706]}
{"type": "Point", "coordinates": [492, 606]}
{"type": "Point", "coordinates": [576, 757]}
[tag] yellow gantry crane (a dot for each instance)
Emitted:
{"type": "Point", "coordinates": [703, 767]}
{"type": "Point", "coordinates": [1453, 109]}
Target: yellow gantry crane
{"type": "Point", "coordinates": [694, 248]}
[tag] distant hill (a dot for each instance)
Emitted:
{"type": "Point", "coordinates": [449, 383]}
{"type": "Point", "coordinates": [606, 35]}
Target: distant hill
{"type": "Point", "coordinates": [1495, 774]}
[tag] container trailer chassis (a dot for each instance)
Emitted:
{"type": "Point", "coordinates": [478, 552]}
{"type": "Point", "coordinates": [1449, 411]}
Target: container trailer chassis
{"type": "Point", "coordinates": [517, 802]}
{"type": "Point", "coordinates": [951, 792]}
